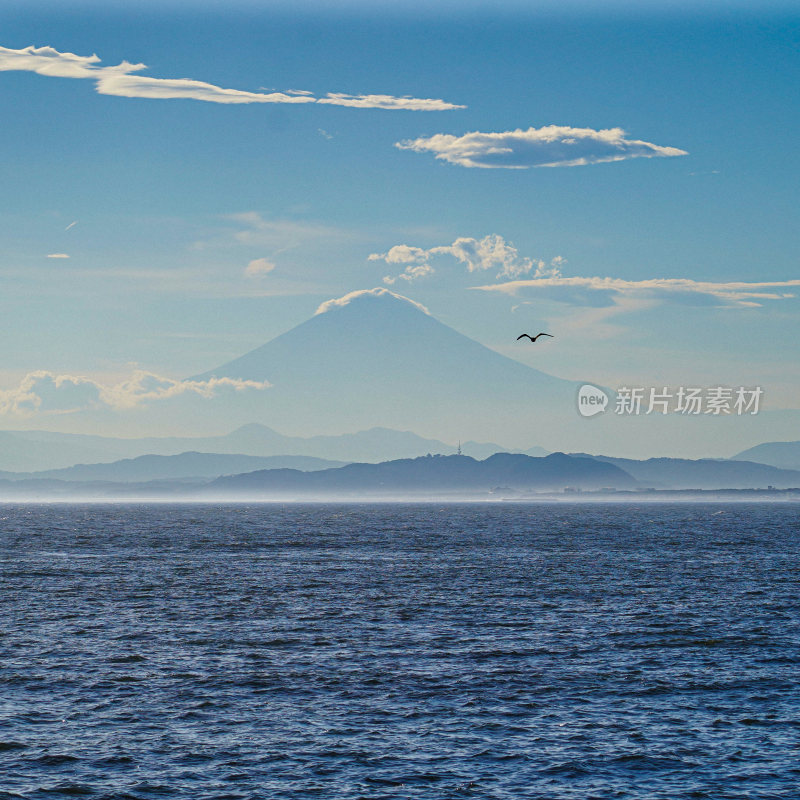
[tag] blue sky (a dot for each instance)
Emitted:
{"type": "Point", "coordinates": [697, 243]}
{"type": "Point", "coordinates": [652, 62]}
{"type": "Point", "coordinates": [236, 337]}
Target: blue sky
{"type": "Point", "coordinates": [202, 229]}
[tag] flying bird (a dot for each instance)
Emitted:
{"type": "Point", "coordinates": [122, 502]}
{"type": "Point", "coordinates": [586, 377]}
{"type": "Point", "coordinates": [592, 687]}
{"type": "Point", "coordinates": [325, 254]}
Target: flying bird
{"type": "Point", "coordinates": [534, 338]}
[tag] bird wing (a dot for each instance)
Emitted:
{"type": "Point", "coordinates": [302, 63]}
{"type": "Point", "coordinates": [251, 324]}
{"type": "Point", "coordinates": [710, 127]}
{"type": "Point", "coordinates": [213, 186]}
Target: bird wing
{"type": "Point", "coordinates": [545, 334]}
{"type": "Point", "coordinates": [523, 335]}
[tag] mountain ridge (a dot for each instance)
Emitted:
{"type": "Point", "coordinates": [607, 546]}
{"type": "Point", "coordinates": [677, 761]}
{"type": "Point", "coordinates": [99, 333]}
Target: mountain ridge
{"type": "Point", "coordinates": [455, 476]}
{"type": "Point", "coordinates": [430, 475]}
{"type": "Point", "coordinates": [182, 466]}
{"type": "Point", "coordinates": [37, 451]}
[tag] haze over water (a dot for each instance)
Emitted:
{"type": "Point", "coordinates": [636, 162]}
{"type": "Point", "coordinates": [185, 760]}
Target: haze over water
{"type": "Point", "coordinates": [419, 651]}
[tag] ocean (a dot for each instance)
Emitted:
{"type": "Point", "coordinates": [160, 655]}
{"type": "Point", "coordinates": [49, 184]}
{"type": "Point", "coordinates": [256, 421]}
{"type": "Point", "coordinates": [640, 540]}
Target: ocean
{"type": "Point", "coordinates": [510, 651]}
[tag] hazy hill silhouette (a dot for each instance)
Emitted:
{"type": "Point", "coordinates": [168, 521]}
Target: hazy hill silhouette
{"type": "Point", "coordinates": [183, 465]}
{"type": "Point", "coordinates": [36, 451]}
{"type": "Point", "coordinates": [430, 475]}
{"type": "Point", "coordinates": [785, 455]}
{"type": "Point", "coordinates": [703, 473]}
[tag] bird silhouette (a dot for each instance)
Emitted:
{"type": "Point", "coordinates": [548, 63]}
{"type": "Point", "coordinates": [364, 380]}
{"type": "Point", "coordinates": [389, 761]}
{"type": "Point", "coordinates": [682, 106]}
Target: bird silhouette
{"type": "Point", "coordinates": [534, 338]}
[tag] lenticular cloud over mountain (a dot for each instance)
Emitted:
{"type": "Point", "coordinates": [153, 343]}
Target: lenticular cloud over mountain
{"type": "Point", "coordinates": [362, 294]}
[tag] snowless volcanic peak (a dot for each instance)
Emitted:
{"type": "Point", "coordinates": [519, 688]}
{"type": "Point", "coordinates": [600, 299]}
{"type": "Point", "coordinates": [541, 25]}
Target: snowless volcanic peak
{"type": "Point", "coordinates": [375, 358]}
{"type": "Point", "coordinates": [372, 343]}
{"type": "Point", "coordinates": [368, 295]}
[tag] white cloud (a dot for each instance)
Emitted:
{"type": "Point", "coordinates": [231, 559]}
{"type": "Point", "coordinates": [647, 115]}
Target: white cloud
{"type": "Point", "coordinates": [385, 101]}
{"type": "Point", "coordinates": [280, 235]}
{"type": "Point", "coordinates": [259, 266]}
{"type": "Point", "coordinates": [544, 280]}
{"type": "Point", "coordinates": [46, 392]}
{"type": "Point", "coordinates": [71, 225]}
{"type": "Point", "coordinates": [50, 62]}
{"type": "Point", "coordinates": [603, 292]}
{"type": "Point", "coordinates": [478, 255]}
{"type": "Point", "coordinates": [550, 146]}
{"type": "Point", "coordinates": [402, 254]}
{"type": "Point", "coordinates": [119, 81]}
{"type": "Point", "coordinates": [121, 84]}
{"type": "Point", "coordinates": [411, 273]}
{"type": "Point", "coordinates": [378, 292]}
{"type": "Point", "coordinates": [57, 255]}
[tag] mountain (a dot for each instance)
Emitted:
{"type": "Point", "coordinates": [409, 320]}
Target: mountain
{"type": "Point", "coordinates": [182, 466]}
{"type": "Point", "coordinates": [376, 359]}
{"type": "Point", "coordinates": [537, 452]}
{"type": "Point", "coordinates": [36, 451]}
{"type": "Point", "coordinates": [704, 473]}
{"type": "Point", "coordinates": [777, 454]}
{"type": "Point", "coordinates": [380, 364]}
{"type": "Point", "coordinates": [428, 476]}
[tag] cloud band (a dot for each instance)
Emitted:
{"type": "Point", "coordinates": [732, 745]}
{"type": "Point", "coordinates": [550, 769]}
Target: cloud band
{"type": "Point", "coordinates": [119, 81]}
{"type": "Point", "coordinates": [608, 291]}
{"type": "Point", "coordinates": [43, 392]}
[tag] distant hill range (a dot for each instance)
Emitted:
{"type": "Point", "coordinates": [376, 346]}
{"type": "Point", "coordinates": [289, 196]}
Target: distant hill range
{"type": "Point", "coordinates": [185, 466]}
{"type": "Point", "coordinates": [704, 473]}
{"type": "Point", "coordinates": [430, 475]}
{"type": "Point", "coordinates": [777, 454]}
{"type": "Point", "coordinates": [34, 451]}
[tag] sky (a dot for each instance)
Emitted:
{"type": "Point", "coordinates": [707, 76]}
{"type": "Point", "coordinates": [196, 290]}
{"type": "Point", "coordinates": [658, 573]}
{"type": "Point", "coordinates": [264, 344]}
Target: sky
{"type": "Point", "coordinates": [183, 182]}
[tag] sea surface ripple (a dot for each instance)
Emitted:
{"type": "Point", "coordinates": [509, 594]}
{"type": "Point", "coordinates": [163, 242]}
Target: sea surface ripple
{"type": "Point", "coordinates": [399, 651]}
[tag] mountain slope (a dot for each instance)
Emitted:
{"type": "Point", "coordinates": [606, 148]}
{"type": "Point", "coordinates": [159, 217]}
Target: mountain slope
{"type": "Point", "coordinates": [785, 455]}
{"type": "Point", "coordinates": [704, 473]}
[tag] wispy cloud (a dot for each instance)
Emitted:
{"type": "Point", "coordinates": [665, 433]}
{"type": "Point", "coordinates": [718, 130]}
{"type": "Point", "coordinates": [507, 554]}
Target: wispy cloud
{"type": "Point", "coordinates": [47, 392]}
{"type": "Point", "coordinates": [478, 255]}
{"type": "Point", "coordinates": [280, 233]}
{"type": "Point", "coordinates": [57, 255]}
{"type": "Point", "coordinates": [386, 101]}
{"type": "Point", "coordinates": [259, 266]}
{"type": "Point", "coordinates": [550, 146]}
{"type": "Point", "coordinates": [603, 292]}
{"type": "Point", "coordinates": [120, 81]}
{"type": "Point", "coordinates": [71, 225]}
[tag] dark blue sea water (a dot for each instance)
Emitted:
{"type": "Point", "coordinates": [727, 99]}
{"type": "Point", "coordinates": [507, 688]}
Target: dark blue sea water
{"type": "Point", "coordinates": [400, 651]}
